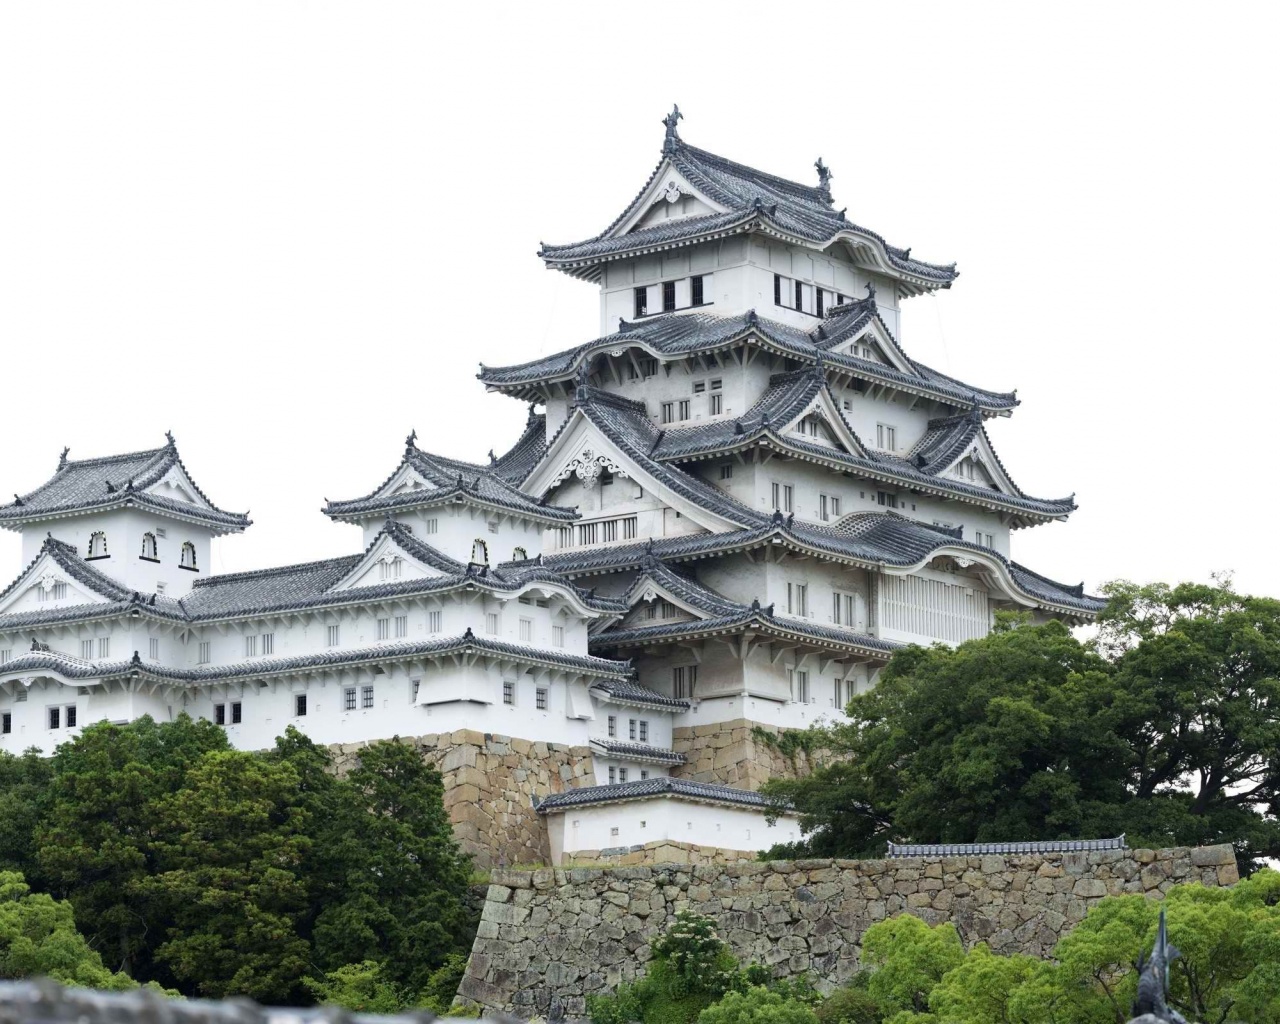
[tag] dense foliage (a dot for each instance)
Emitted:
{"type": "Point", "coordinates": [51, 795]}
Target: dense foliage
{"type": "Point", "coordinates": [1228, 971]}
{"type": "Point", "coordinates": [1165, 727]}
{"type": "Point", "coordinates": [219, 872]}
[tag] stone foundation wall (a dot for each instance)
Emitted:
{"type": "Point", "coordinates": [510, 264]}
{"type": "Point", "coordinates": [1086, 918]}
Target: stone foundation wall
{"type": "Point", "coordinates": [732, 754]}
{"type": "Point", "coordinates": [550, 937]}
{"type": "Point", "coordinates": [490, 782]}
{"type": "Point", "coordinates": [661, 851]}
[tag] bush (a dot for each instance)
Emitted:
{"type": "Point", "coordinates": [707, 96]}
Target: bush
{"type": "Point", "coordinates": [848, 1005]}
{"type": "Point", "coordinates": [362, 988]}
{"type": "Point", "coordinates": [689, 957]}
{"type": "Point", "coordinates": [757, 1006]}
{"type": "Point", "coordinates": [623, 1007]}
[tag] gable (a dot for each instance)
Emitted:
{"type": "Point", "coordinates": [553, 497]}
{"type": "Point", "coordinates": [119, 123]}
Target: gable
{"type": "Point", "coordinates": [822, 423]}
{"type": "Point", "coordinates": [385, 562]}
{"type": "Point", "coordinates": [669, 196]}
{"type": "Point", "coordinates": [979, 467]}
{"type": "Point", "coordinates": [45, 587]}
{"type": "Point", "coordinates": [876, 345]}
{"type": "Point", "coordinates": [406, 480]}
{"type": "Point", "coordinates": [175, 485]}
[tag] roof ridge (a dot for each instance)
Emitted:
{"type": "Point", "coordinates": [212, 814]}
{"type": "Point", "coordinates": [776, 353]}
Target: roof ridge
{"type": "Point", "coordinates": [275, 570]}
{"type": "Point", "coordinates": [99, 460]}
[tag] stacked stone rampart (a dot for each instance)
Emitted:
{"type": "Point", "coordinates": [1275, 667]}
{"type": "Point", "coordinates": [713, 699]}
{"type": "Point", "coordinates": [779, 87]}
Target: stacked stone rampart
{"type": "Point", "coordinates": [550, 937]}
{"type": "Point", "coordinates": [490, 786]}
{"type": "Point", "coordinates": [735, 753]}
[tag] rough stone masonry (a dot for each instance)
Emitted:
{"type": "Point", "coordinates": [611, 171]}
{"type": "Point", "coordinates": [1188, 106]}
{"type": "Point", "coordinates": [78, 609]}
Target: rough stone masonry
{"type": "Point", "coordinates": [550, 937]}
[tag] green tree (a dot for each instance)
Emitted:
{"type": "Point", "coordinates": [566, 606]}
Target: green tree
{"type": "Point", "coordinates": [229, 844]}
{"type": "Point", "coordinates": [93, 844]}
{"type": "Point", "coordinates": [757, 1006]}
{"type": "Point", "coordinates": [396, 880]}
{"type": "Point", "coordinates": [24, 797]}
{"type": "Point", "coordinates": [909, 958]}
{"type": "Point", "coordinates": [361, 988]}
{"type": "Point", "coordinates": [38, 937]}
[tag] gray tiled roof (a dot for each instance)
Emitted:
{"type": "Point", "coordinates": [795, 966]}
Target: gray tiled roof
{"type": "Point", "coordinates": [682, 585]}
{"type": "Point", "coordinates": [628, 691]}
{"type": "Point", "coordinates": [518, 462]}
{"type": "Point", "coordinates": [453, 480]}
{"type": "Point", "coordinates": [977, 849]}
{"type": "Point", "coordinates": [638, 751]}
{"type": "Point", "coordinates": [655, 787]}
{"type": "Point", "coordinates": [292, 587]}
{"type": "Point", "coordinates": [678, 335]}
{"type": "Point", "coordinates": [92, 485]}
{"type": "Point", "coordinates": [752, 200]}
{"type": "Point", "coordinates": [338, 657]}
{"type": "Point", "coordinates": [787, 396]}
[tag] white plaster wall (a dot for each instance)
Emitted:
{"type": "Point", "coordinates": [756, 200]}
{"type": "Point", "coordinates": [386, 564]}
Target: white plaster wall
{"type": "Point", "coordinates": [633, 823]}
{"type": "Point", "coordinates": [457, 527]}
{"type": "Point", "coordinates": [124, 529]}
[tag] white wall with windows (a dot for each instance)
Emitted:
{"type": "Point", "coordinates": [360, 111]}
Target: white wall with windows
{"type": "Point", "coordinates": [606, 826]}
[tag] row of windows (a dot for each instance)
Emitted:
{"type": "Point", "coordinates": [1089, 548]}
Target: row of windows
{"type": "Point", "coordinates": [805, 298]}
{"type": "Point", "coordinates": [843, 606]}
{"type": "Point", "coordinates": [151, 552]}
{"type": "Point", "coordinates": [55, 592]}
{"type": "Point", "coordinates": [617, 776]}
{"type": "Point", "coordinates": [679, 410]}
{"type": "Point", "coordinates": [101, 644]}
{"type": "Point", "coordinates": [541, 695]}
{"type": "Point", "coordinates": [842, 691]}
{"type": "Point", "coordinates": [58, 717]}
{"type": "Point", "coordinates": [637, 729]}
{"type": "Point", "coordinates": [678, 294]}
{"type": "Point", "coordinates": [602, 531]}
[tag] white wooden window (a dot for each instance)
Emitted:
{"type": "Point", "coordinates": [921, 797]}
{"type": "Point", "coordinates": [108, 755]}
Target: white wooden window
{"type": "Point", "coordinates": [434, 621]}
{"type": "Point", "coordinates": [526, 631]}
{"type": "Point", "coordinates": [402, 626]}
{"type": "Point", "coordinates": [205, 655]}
{"type": "Point", "coordinates": [333, 636]}
{"type": "Point", "coordinates": [491, 623]}
{"type": "Point", "coordinates": [153, 648]}
{"type": "Point", "coordinates": [683, 680]}
{"type": "Point", "coordinates": [610, 531]}
{"type": "Point", "coordinates": [86, 650]}
{"type": "Point", "coordinates": [726, 471]}
{"type": "Point", "coordinates": [839, 697]}
{"type": "Point", "coordinates": [104, 647]}
{"type": "Point", "coordinates": [588, 533]}
{"type": "Point", "coordinates": [557, 636]}
{"type": "Point", "coordinates": [540, 698]}
{"type": "Point", "coordinates": [843, 609]}
{"type": "Point", "coordinates": [390, 568]}
{"type": "Point", "coordinates": [886, 437]}
{"type": "Point", "coordinates": [251, 646]}
{"type": "Point", "coordinates": [799, 679]}
{"type": "Point", "coordinates": [932, 608]}
{"type": "Point", "coordinates": [7, 654]}
{"type": "Point", "coordinates": [684, 409]}
{"type": "Point", "coordinates": [268, 643]}
{"type": "Point", "coordinates": [886, 499]}
{"type": "Point", "coordinates": [629, 527]}
{"type": "Point", "coordinates": [668, 412]}
{"type": "Point", "coordinates": [433, 525]}
{"type": "Point", "coordinates": [384, 629]}
{"type": "Point", "coordinates": [798, 599]}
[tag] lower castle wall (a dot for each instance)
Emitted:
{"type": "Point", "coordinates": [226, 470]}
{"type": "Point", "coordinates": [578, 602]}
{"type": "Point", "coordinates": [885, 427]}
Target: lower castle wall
{"type": "Point", "coordinates": [550, 937]}
{"type": "Point", "coordinates": [662, 851]}
{"type": "Point", "coordinates": [490, 783]}
{"type": "Point", "coordinates": [732, 754]}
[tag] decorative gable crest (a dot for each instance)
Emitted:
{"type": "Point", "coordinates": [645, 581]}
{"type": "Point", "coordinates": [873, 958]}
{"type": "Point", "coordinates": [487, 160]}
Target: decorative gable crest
{"type": "Point", "coordinates": [671, 193]}
{"type": "Point", "coordinates": [587, 466]}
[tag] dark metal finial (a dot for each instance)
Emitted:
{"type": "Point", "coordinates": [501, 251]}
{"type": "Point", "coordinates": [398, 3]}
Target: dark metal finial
{"type": "Point", "coordinates": [110, 488]}
{"type": "Point", "coordinates": [169, 437]}
{"type": "Point", "coordinates": [17, 499]}
{"type": "Point", "coordinates": [410, 441]}
{"type": "Point", "coordinates": [871, 292]}
{"type": "Point", "coordinates": [492, 458]}
{"type": "Point", "coordinates": [533, 413]}
{"type": "Point", "coordinates": [669, 122]}
{"type": "Point", "coordinates": [62, 460]}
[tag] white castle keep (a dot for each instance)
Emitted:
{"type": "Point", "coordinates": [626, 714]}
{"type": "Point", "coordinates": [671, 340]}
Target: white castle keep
{"type": "Point", "coordinates": [731, 507]}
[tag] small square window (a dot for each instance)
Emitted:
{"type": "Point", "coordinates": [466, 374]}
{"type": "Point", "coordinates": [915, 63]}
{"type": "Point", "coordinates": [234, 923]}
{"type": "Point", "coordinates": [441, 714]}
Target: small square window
{"type": "Point", "coordinates": [644, 774]}
{"type": "Point", "coordinates": [622, 775]}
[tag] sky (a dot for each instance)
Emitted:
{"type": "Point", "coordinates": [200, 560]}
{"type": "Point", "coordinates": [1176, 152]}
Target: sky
{"type": "Point", "coordinates": [289, 232]}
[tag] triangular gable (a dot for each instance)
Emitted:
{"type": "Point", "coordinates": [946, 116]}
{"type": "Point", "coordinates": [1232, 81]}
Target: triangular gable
{"type": "Point", "coordinates": [45, 586]}
{"type": "Point", "coordinates": [668, 191]}
{"type": "Point", "coordinates": [386, 561]}
{"type": "Point", "coordinates": [652, 604]}
{"type": "Point", "coordinates": [405, 480]}
{"type": "Point", "coordinates": [176, 485]}
{"type": "Point", "coordinates": [832, 426]}
{"type": "Point", "coordinates": [987, 470]}
{"type": "Point", "coordinates": [582, 451]}
{"type": "Point", "coordinates": [874, 336]}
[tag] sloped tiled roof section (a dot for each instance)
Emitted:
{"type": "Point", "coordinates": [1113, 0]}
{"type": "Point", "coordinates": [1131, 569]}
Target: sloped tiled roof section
{"type": "Point", "coordinates": [628, 691]}
{"type": "Point", "coordinates": [749, 200]}
{"type": "Point", "coordinates": [977, 849]}
{"type": "Point", "coordinates": [789, 394]}
{"type": "Point", "coordinates": [454, 480]}
{"type": "Point", "coordinates": [648, 788]}
{"type": "Point", "coordinates": [113, 481]}
{"type": "Point", "coordinates": [678, 335]}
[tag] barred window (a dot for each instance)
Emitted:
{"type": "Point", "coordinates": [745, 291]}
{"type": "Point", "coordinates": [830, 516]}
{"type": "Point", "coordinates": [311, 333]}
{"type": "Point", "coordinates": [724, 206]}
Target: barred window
{"type": "Point", "coordinates": [349, 698]}
{"type": "Point", "coordinates": [366, 696]}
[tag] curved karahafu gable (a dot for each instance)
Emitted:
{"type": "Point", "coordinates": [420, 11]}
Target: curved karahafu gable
{"type": "Point", "coordinates": [732, 198]}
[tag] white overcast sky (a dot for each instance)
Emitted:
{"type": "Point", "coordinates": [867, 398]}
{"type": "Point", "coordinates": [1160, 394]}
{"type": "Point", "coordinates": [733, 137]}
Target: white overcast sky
{"type": "Point", "coordinates": [290, 231]}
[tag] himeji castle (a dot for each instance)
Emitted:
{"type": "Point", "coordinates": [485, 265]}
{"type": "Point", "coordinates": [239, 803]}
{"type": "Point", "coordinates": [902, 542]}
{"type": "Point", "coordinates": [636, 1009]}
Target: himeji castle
{"type": "Point", "coordinates": [723, 515]}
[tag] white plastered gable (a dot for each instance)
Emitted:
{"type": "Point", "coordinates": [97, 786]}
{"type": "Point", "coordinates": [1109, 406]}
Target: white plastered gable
{"type": "Point", "coordinates": [650, 600]}
{"type": "Point", "coordinates": [406, 480]}
{"type": "Point", "coordinates": [581, 453]}
{"type": "Point", "coordinates": [832, 428]}
{"type": "Point", "coordinates": [175, 485]}
{"type": "Point", "coordinates": [875, 343]}
{"type": "Point", "coordinates": [987, 469]}
{"type": "Point", "coordinates": [669, 195]}
{"type": "Point", "coordinates": [38, 586]}
{"type": "Point", "coordinates": [385, 562]}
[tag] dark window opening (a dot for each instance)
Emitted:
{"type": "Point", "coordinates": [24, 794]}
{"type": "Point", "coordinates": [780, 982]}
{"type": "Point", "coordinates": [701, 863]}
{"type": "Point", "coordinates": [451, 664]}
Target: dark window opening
{"type": "Point", "coordinates": [6, 723]}
{"type": "Point", "coordinates": [235, 713]}
{"type": "Point", "coordinates": [55, 718]}
{"type": "Point", "coordinates": [668, 296]}
{"type": "Point", "coordinates": [695, 290]}
{"type": "Point", "coordinates": [219, 714]}
{"type": "Point", "coordinates": [777, 289]}
{"type": "Point", "coordinates": [799, 296]}
{"type": "Point", "coordinates": [641, 301]}
{"type": "Point", "coordinates": [819, 294]}
{"type": "Point", "coordinates": [71, 716]}
{"type": "Point", "coordinates": [300, 705]}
